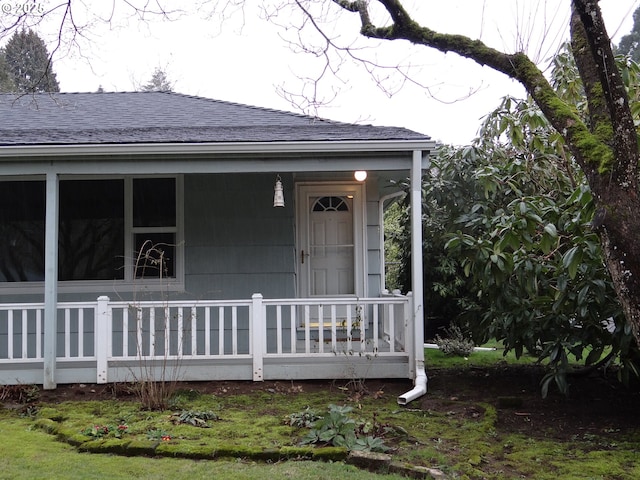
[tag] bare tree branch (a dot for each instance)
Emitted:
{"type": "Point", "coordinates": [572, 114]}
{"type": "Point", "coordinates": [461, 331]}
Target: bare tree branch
{"type": "Point", "coordinates": [313, 38]}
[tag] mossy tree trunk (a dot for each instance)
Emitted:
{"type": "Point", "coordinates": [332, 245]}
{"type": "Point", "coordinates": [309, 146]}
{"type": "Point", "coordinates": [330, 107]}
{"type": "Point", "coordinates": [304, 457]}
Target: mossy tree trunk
{"type": "Point", "coordinates": [605, 147]}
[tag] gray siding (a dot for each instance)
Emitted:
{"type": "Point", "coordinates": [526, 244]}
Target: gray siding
{"type": "Point", "coordinates": [236, 242]}
{"type": "Point", "coordinates": [372, 239]}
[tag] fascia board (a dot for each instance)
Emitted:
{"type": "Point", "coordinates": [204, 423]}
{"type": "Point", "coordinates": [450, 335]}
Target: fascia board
{"type": "Point", "coordinates": [69, 151]}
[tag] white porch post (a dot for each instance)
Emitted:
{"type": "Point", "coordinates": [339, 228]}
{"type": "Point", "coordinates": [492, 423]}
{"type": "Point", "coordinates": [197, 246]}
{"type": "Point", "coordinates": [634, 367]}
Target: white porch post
{"type": "Point", "coordinates": [258, 332]}
{"type": "Point", "coordinates": [417, 315]}
{"type": "Point", "coordinates": [50, 281]}
{"type": "Point", "coordinates": [102, 340]}
{"type": "Point", "coordinates": [416, 258]}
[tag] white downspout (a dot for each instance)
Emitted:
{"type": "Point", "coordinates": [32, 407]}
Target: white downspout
{"type": "Point", "coordinates": [420, 381]}
{"type": "Point", "coordinates": [419, 390]}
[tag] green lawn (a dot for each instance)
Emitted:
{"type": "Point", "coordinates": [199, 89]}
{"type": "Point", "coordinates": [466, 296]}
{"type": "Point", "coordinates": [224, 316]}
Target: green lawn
{"type": "Point", "coordinates": [491, 354]}
{"type": "Point", "coordinates": [29, 453]}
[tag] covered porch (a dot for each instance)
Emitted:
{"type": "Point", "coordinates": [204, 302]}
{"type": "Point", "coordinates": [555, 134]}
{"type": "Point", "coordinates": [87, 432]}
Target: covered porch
{"type": "Point", "coordinates": [366, 334]}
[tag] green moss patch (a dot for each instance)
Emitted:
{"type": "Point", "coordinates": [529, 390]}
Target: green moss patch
{"type": "Point", "coordinates": [458, 427]}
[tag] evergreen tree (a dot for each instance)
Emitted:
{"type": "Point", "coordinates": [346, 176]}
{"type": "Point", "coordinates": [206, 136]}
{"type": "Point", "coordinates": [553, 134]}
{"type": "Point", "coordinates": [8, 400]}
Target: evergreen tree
{"type": "Point", "coordinates": [630, 44]}
{"type": "Point", "coordinates": [28, 63]}
{"type": "Point", "coordinates": [6, 82]}
{"type": "Point", "coordinates": [159, 82]}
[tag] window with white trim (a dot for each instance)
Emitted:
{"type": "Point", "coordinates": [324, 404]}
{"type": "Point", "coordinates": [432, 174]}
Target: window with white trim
{"type": "Point", "coordinates": [154, 227]}
{"type": "Point", "coordinates": [110, 229]}
{"type": "Point", "coordinates": [22, 206]}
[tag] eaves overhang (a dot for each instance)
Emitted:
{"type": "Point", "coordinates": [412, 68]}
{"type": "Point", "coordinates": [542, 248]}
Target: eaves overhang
{"type": "Point", "coordinates": [79, 151]}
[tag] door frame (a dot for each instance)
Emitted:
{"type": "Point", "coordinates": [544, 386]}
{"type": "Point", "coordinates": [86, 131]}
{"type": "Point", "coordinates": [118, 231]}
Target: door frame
{"type": "Point", "coordinates": [305, 190]}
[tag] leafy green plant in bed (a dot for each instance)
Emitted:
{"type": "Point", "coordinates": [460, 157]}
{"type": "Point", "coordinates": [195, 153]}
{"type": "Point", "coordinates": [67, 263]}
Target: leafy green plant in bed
{"type": "Point", "coordinates": [338, 429]}
{"type": "Point", "coordinates": [159, 435]}
{"type": "Point", "coordinates": [195, 418]}
{"type": "Point", "coordinates": [305, 418]}
{"type": "Point", "coordinates": [101, 431]}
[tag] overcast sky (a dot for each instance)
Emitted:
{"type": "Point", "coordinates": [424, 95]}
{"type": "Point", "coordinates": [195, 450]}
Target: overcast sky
{"type": "Point", "coordinates": [244, 59]}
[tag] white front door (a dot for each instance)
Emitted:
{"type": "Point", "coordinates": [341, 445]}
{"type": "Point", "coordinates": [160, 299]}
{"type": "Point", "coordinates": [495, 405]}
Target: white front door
{"type": "Point", "coordinates": [330, 217]}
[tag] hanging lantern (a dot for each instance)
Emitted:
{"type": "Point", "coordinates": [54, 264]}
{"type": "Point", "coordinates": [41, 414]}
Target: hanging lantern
{"type": "Point", "coordinates": [278, 195]}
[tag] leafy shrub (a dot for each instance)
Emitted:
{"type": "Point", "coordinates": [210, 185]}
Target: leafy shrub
{"type": "Point", "coordinates": [455, 343]}
{"type": "Point", "coordinates": [511, 242]}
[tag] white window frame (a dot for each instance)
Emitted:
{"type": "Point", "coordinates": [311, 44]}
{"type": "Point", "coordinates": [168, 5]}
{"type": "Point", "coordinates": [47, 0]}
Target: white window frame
{"type": "Point", "coordinates": [129, 283]}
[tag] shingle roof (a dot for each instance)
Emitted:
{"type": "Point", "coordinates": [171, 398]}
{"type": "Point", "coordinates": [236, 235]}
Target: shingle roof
{"type": "Point", "coordinates": [163, 117]}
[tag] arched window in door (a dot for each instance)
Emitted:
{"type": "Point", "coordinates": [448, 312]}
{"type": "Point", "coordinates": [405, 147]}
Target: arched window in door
{"type": "Point", "coordinates": [330, 204]}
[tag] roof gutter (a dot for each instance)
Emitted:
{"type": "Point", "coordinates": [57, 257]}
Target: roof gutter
{"type": "Point", "coordinates": [326, 146]}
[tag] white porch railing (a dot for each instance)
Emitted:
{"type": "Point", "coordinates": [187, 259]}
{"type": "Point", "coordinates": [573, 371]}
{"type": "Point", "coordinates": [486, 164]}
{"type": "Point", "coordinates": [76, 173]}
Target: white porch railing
{"type": "Point", "coordinates": [103, 341]}
{"type": "Point", "coordinates": [22, 331]}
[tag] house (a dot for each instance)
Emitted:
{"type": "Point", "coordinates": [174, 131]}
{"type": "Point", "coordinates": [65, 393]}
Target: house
{"type": "Point", "coordinates": [139, 232]}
